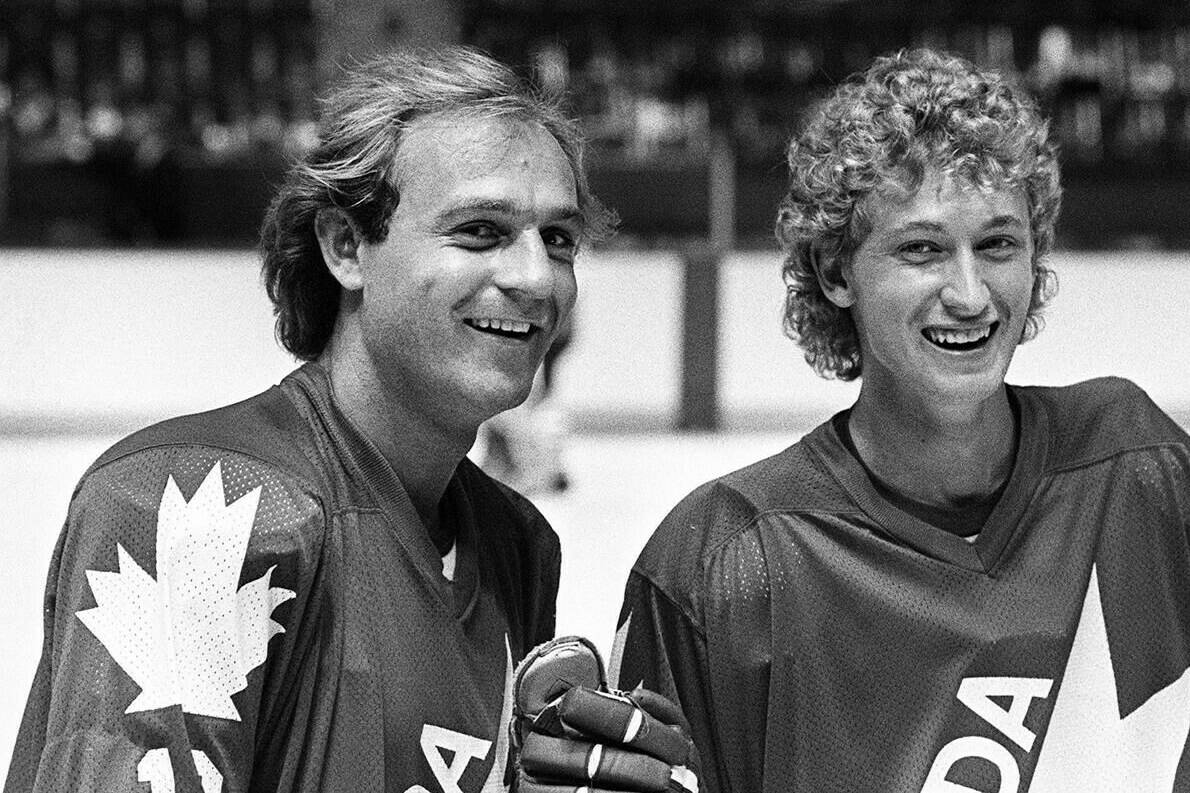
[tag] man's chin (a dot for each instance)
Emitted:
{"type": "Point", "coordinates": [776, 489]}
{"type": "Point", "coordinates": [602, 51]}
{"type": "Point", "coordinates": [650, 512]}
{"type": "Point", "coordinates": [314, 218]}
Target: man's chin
{"type": "Point", "coordinates": [498, 399]}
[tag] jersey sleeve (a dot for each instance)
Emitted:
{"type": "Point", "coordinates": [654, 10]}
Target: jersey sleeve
{"type": "Point", "coordinates": [659, 646]}
{"type": "Point", "coordinates": [695, 626]}
{"type": "Point", "coordinates": [171, 594]}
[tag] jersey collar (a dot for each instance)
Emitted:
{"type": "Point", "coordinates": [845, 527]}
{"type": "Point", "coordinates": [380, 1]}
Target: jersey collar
{"type": "Point", "coordinates": [1004, 521]}
{"type": "Point", "coordinates": [372, 472]}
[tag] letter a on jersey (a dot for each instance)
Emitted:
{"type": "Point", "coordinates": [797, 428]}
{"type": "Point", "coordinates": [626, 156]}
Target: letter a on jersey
{"type": "Point", "coordinates": [464, 748]}
{"type": "Point", "coordinates": [977, 693]}
{"type": "Point", "coordinates": [191, 636]}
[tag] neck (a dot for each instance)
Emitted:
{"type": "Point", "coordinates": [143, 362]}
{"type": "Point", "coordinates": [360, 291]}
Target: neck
{"type": "Point", "coordinates": [423, 453]}
{"type": "Point", "coordinates": [938, 455]}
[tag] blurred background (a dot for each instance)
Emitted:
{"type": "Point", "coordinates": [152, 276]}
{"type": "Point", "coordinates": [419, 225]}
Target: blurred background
{"type": "Point", "coordinates": [140, 141]}
{"type": "Point", "coordinates": [164, 122]}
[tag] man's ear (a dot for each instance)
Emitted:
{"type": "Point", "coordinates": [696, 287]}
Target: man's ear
{"type": "Point", "coordinates": [339, 240]}
{"type": "Point", "coordinates": [831, 278]}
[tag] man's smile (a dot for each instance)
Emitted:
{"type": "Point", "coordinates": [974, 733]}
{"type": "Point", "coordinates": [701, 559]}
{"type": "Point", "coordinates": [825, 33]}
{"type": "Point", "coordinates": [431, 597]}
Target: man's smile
{"type": "Point", "coordinates": [960, 339]}
{"type": "Point", "coordinates": [507, 328]}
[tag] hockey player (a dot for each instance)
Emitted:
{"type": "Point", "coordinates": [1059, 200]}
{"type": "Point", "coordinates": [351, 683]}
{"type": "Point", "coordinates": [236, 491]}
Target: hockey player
{"type": "Point", "coordinates": [956, 584]}
{"type": "Point", "coordinates": [314, 590]}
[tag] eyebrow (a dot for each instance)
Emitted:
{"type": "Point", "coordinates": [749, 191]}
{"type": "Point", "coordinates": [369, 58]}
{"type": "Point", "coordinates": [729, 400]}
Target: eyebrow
{"type": "Point", "coordinates": [929, 225]}
{"type": "Point", "coordinates": [1005, 220]}
{"type": "Point", "coordinates": [916, 225]}
{"type": "Point", "coordinates": [565, 212]}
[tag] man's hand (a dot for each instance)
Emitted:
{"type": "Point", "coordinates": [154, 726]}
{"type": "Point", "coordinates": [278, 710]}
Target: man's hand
{"type": "Point", "coordinates": [569, 732]}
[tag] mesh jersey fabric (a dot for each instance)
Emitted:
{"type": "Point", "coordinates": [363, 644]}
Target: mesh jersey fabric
{"type": "Point", "coordinates": [246, 600]}
{"type": "Point", "coordinates": [820, 640]}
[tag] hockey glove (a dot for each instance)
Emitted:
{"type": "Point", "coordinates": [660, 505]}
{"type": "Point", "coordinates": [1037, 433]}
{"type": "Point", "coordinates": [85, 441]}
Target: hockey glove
{"type": "Point", "coordinates": [570, 733]}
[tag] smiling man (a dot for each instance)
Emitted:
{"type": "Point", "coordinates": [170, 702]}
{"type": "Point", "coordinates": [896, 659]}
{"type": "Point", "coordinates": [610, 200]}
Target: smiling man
{"type": "Point", "coordinates": [956, 585]}
{"type": "Point", "coordinates": [314, 590]}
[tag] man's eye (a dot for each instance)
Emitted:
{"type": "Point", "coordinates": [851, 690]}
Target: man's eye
{"type": "Point", "coordinates": [559, 239]}
{"type": "Point", "coordinates": [999, 246]}
{"type": "Point", "coordinates": [918, 250]}
{"type": "Point", "coordinates": [477, 235]}
{"type": "Point", "coordinates": [560, 244]}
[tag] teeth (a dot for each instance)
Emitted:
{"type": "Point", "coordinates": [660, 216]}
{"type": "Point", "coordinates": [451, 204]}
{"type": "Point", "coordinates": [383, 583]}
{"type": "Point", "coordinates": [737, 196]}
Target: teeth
{"type": "Point", "coordinates": [958, 336]}
{"type": "Point", "coordinates": [506, 325]}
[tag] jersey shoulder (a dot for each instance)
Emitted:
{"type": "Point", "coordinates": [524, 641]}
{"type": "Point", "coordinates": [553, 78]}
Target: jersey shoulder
{"type": "Point", "coordinates": [192, 552]}
{"type": "Point", "coordinates": [254, 460]}
{"type": "Point", "coordinates": [267, 427]}
{"type": "Point", "coordinates": [798, 479]}
{"type": "Point", "coordinates": [1101, 418]}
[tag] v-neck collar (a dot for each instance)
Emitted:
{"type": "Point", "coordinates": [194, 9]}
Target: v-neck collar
{"type": "Point", "coordinates": [1004, 520]}
{"type": "Point", "coordinates": [373, 471]}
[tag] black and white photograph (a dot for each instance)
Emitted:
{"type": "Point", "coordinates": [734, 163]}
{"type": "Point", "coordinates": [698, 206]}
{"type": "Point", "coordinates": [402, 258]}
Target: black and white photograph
{"type": "Point", "coordinates": [579, 396]}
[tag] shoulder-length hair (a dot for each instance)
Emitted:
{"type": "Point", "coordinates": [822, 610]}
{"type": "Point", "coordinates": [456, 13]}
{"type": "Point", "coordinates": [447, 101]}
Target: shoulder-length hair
{"type": "Point", "coordinates": [352, 168]}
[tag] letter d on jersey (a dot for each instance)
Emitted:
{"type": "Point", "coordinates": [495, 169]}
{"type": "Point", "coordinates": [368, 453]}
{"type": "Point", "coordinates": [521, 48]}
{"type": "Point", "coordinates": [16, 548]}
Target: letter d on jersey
{"type": "Point", "coordinates": [972, 746]}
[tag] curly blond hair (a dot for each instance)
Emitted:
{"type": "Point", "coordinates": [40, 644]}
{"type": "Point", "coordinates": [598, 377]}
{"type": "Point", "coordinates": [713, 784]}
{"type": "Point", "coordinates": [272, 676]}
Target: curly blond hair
{"type": "Point", "coordinates": [906, 114]}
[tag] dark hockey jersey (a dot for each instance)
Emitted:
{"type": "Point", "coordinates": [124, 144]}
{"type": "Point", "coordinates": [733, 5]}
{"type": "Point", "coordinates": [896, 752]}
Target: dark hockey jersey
{"type": "Point", "coordinates": [247, 600]}
{"type": "Point", "coordinates": [819, 639]}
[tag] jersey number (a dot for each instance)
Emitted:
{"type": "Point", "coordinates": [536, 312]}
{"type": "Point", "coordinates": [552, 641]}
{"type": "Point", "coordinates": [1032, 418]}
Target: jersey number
{"type": "Point", "coordinates": [156, 769]}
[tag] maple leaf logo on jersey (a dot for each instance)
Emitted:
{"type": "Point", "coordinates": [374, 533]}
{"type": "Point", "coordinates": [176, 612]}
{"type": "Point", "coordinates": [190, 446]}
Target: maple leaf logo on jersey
{"type": "Point", "coordinates": [191, 636]}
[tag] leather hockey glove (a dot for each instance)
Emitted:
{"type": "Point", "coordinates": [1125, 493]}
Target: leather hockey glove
{"type": "Point", "coordinates": [571, 733]}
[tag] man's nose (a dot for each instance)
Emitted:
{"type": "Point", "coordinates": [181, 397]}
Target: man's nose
{"type": "Point", "coordinates": [525, 267]}
{"type": "Point", "coordinates": [964, 291]}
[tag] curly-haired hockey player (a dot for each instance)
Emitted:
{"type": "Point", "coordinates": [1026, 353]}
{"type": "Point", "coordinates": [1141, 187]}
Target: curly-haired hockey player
{"type": "Point", "coordinates": [956, 584]}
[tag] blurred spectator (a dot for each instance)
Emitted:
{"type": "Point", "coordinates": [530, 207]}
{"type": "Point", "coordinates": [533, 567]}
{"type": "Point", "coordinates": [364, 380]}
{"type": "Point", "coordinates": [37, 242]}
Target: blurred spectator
{"type": "Point", "coordinates": [649, 82]}
{"type": "Point", "coordinates": [33, 116]}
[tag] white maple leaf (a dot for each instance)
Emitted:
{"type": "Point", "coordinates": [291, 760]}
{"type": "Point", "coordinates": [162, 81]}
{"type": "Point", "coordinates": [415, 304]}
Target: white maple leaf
{"type": "Point", "coordinates": [190, 637]}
